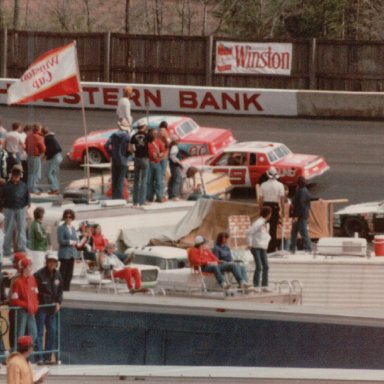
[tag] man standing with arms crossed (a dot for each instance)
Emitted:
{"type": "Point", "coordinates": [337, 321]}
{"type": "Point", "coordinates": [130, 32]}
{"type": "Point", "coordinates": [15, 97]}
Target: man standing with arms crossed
{"type": "Point", "coordinates": [272, 195]}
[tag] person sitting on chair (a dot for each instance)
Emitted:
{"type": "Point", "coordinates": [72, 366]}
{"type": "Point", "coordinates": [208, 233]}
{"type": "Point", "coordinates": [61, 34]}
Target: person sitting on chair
{"type": "Point", "coordinates": [224, 253]}
{"type": "Point", "coordinates": [201, 256]}
{"type": "Point", "coordinates": [109, 260]}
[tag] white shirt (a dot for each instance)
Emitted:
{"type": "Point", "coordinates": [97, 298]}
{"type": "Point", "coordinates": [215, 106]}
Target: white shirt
{"type": "Point", "coordinates": [258, 234]}
{"type": "Point", "coordinates": [13, 142]}
{"type": "Point", "coordinates": [124, 109]}
{"type": "Point", "coordinates": [272, 191]}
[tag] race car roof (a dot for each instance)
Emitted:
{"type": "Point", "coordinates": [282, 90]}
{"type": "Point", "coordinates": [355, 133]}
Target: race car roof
{"type": "Point", "coordinates": [252, 146]}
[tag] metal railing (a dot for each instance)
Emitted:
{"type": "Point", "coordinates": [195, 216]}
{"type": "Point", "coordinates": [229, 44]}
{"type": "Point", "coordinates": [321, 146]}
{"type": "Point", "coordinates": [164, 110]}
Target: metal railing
{"type": "Point", "coordinates": [6, 327]}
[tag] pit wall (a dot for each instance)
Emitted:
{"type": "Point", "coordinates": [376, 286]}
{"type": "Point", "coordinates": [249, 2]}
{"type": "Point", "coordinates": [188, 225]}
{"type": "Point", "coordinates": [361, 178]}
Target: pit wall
{"type": "Point", "coordinates": [216, 100]}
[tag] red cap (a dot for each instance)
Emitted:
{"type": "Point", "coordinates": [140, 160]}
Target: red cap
{"type": "Point", "coordinates": [24, 263]}
{"type": "Point", "coordinates": [24, 341]}
{"type": "Point", "coordinates": [18, 256]}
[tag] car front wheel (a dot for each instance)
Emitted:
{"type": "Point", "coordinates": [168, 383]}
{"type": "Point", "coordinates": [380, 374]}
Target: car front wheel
{"type": "Point", "coordinates": [95, 156]}
{"type": "Point", "coordinates": [354, 225]}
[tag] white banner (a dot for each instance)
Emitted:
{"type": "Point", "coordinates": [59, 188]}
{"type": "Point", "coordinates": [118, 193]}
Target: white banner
{"type": "Point", "coordinates": [54, 73]}
{"type": "Point", "coordinates": [253, 58]}
{"type": "Point", "coordinates": [180, 99]}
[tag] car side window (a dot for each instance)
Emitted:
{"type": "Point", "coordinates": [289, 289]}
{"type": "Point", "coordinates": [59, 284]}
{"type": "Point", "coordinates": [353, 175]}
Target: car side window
{"type": "Point", "coordinates": [223, 159]}
{"type": "Point", "coordinates": [236, 158]}
{"type": "Point", "coordinates": [252, 159]}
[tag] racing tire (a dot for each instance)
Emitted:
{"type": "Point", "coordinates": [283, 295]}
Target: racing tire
{"type": "Point", "coordinates": [95, 156]}
{"type": "Point", "coordinates": [354, 225]}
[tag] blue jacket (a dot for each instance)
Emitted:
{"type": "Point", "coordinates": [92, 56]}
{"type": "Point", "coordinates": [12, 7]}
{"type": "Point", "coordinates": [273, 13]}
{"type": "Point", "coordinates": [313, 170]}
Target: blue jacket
{"type": "Point", "coordinates": [223, 252]}
{"type": "Point", "coordinates": [14, 196]}
{"type": "Point", "coordinates": [117, 147]}
{"type": "Point", "coordinates": [64, 237]}
{"type": "Point", "coordinates": [301, 203]}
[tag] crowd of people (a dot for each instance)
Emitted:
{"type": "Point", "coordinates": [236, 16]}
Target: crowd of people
{"type": "Point", "coordinates": [26, 147]}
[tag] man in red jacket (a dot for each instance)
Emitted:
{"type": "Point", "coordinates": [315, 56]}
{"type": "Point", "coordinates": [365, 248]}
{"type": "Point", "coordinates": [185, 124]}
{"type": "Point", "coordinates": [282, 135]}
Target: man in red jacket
{"type": "Point", "coordinates": [201, 256]}
{"type": "Point", "coordinates": [35, 148]}
{"type": "Point", "coordinates": [25, 295]}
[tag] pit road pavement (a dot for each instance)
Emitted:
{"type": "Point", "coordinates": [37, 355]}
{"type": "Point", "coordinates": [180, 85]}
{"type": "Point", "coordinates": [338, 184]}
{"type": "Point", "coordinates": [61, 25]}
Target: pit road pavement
{"type": "Point", "coordinates": [353, 149]}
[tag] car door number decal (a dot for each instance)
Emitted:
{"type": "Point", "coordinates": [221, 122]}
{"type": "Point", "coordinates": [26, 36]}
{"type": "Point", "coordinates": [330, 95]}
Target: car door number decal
{"type": "Point", "coordinates": [237, 176]}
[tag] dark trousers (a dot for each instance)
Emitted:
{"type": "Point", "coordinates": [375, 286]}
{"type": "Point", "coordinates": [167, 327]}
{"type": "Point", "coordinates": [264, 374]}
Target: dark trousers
{"type": "Point", "coordinates": [273, 222]}
{"type": "Point", "coordinates": [66, 271]}
{"type": "Point", "coordinates": [119, 173]}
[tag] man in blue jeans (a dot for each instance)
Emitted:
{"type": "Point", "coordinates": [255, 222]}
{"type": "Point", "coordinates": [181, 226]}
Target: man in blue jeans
{"type": "Point", "coordinates": [301, 204]}
{"type": "Point", "coordinates": [14, 198]}
{"type": "Point", "coordinates": [50, 288]}
{"type": "Point", "coordinates": [117, 147]}
{"type": "Point", "coordinates": [139, 146]}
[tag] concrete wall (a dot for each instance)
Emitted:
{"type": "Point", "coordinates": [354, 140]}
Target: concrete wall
{"type": "Point", "coordinates": [340, 104]}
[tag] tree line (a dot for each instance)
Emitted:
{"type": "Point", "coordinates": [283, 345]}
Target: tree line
{"type": "Point", "coordinates": [243, 19]}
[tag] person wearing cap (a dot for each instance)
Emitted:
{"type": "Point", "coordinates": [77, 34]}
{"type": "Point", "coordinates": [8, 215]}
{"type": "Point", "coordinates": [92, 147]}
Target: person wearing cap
{"type": "Point", "coordinates": [117, 147]}
{"type": "Point", "coordinates": [139, 146]}
{"type": "Point", "coordinates": [301, 205]}
{"type": "Point", "coordinates": [123, 110]}
{"type": "Point", "coordinates": [272, 195]}
{"type": "Point", "coordinates": [14, 198]}
{"type": "Point", "coordinates": [50, 286]}
{"type": "Point", "coordinates": [37, 239]}
{"type": "Point", "coordinates": [24, 295]}
{"type": "Point", "coordinates": [19, 369]}
{"type": "Point", "coordinates": [11, 315]}
{"type": "Point", "coordinates": [109, 260]}
{"type": "Point", "coordinates": [201, 256]}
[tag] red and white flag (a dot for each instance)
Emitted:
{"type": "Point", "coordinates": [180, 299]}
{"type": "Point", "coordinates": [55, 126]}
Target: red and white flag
{"type": "Point", "coordinates": [55, 73]}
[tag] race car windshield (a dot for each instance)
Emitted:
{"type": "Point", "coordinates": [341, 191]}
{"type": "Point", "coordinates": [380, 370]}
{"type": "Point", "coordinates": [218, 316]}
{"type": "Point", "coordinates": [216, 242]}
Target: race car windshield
{"type": "Point", "coordinates": [186, 127]}
{"type": "Point", "coordinates": [278, 153]}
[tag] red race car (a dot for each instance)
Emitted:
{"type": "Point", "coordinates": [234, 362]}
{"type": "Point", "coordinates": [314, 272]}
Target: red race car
{"type": "Point", "coordinates": [194, 140]}
{"type": "Point", "coordinates": [245, 162]}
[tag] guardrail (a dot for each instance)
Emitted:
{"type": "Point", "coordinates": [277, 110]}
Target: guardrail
{"type": "Point", "coordinates": [5, 330]}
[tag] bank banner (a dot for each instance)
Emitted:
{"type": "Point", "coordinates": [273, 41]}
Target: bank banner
{"type": "Point", "coordinates": [55, 73]}
{"type": "Point", "coordinates": [253, 58]}
{"type": "Point", "coordinates": [175, 98]}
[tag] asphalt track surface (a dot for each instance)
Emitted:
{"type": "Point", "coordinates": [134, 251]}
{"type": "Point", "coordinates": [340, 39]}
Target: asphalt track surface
{"type": "Point", "coordinates": [354, 149]}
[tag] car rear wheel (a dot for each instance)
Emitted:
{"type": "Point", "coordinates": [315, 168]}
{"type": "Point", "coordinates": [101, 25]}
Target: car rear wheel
{"type": "Point", "coordinates": [354, 225]}
{"type": "Point", "coordinates": [95, 156]}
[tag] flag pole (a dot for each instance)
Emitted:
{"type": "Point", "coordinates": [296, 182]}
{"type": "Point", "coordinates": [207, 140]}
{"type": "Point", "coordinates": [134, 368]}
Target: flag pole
{"type": "Point", "coordinates": [86, 165]}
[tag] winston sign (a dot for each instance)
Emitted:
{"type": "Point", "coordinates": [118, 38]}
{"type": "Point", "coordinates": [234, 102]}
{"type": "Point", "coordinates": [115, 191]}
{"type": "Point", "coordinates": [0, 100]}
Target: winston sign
{"type": "Point", "coordinates": [256, 58]}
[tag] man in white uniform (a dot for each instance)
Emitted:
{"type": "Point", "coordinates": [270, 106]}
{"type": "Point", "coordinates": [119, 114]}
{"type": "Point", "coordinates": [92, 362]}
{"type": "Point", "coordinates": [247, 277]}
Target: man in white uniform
{"type": "Point", "coordinates": [272, 195]}
{"type": "Point", "coordinates": [123, 110]}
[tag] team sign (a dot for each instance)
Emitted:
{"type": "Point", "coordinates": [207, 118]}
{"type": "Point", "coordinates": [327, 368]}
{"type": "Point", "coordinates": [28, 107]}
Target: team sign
{"type": "Point", "coordinates": [253, 58]}
{"type": "Point", "coordinates": [180, 99]}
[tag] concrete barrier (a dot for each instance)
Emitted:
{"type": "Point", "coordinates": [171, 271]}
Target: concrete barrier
{"type": "Point", "coordinates": [340, 104]}
{"type": "Point", "coordinates": [220, 100]}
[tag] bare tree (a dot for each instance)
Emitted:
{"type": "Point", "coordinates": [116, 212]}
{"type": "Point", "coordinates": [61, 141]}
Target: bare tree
{"type": "Point", "coordinates": [158, 16]}
{"type": "Point", "coordinates": [127, 9]}
{"type": "Point", "coordinates": [2, 23]}
{"type": "Point", "coordinates": [88, 15]}
{"type": "Point", "coordinates": [16, 13]}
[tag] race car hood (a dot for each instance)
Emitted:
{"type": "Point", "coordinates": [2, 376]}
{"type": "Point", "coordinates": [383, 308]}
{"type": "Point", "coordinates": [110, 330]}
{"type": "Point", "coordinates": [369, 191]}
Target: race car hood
{"type": "Point", "coordinates": [96, 136]}
{"type": "Point", "coordinates": [215, 136]}
{"type": "Point", "coordinates": [355, 209]}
